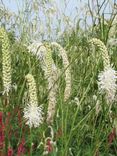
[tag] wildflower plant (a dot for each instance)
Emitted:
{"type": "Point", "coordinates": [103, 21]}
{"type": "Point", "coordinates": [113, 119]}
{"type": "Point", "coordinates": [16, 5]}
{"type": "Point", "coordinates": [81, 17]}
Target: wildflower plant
{"type": "Point", "coordinates": [6, 61]}
{"type": "Point", "coordinates": [44, 54]}
{"type": "Point", "coordinates": [107, 78]}
{"type": "Point", "coordinates": [32, 112]}
{"type": "Point", "coordinates": [51, 75]}
{"type": "Point", "coordinates": [66, 64]}
{"type": "Point", "coordinates": [74, 112]}
{"type": "Point", "coordinates": [103, 50]}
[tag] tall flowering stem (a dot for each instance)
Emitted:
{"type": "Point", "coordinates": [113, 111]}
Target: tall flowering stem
{"type": "Point", "coordinates": [67, 69]}
{"type": "Point", "coordinates": [32, 113]}
{"type": "Point", "coordinates": [107, 78]}
{"type": "Point", "coordinates": [6, 73]}
{"type": "Point", "coordinates": [44, 54]}
{"type": "Point", "coordinates": [51, 75]}
{"type": "Point", "coordinates": [6, 60]}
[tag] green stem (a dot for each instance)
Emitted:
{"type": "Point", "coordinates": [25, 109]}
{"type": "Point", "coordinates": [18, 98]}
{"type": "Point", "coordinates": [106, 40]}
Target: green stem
{"type": "Point", "coordinates": [6, 103]}
{"type": "Point", "coordinates": [75, 116]}
{"type": "Point", "coordinates": [30, 142]}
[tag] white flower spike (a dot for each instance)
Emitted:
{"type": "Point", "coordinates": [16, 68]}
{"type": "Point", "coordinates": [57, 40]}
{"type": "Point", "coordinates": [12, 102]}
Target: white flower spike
{"type": "Point", "coordinates": [33, 115]}
{"type": "Point", "coordinates": [107, 83]}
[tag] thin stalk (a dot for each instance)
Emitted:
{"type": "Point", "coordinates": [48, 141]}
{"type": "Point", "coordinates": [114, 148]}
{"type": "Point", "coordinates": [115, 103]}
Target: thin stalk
{"type": "Point", "coordinates": [30, 142]}
{"type": "Point", "coordinates": [70, 135]}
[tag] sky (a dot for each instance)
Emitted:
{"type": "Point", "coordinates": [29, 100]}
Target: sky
{"type": "Point", "coordinates": [71, 4]}
{"type": "Point", "coordinates": [74, 9]}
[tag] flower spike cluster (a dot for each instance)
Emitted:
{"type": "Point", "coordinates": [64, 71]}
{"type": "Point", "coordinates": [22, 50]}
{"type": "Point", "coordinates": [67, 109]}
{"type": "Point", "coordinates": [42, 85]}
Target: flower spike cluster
{"type": "Point", "coordinates": [32, 113]}
{"type": "Point", "coordinates": [6, 60]}
{"type": "Point", "coordinates": [44, 54]}
{"type": "Point", "coordinates": [67, 70]}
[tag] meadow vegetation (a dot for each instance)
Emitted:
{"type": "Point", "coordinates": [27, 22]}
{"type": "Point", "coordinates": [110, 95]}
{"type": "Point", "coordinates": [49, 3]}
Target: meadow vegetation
{"type": "Point", "coordinates": [58, 87]}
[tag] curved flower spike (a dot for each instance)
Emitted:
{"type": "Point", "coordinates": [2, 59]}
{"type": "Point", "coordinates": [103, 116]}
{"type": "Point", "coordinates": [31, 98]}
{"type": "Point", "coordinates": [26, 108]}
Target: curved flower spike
{"type": "Point", "coordinates": [63, 53]}
{"type": "Point", "coordinates": [104, 51]}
